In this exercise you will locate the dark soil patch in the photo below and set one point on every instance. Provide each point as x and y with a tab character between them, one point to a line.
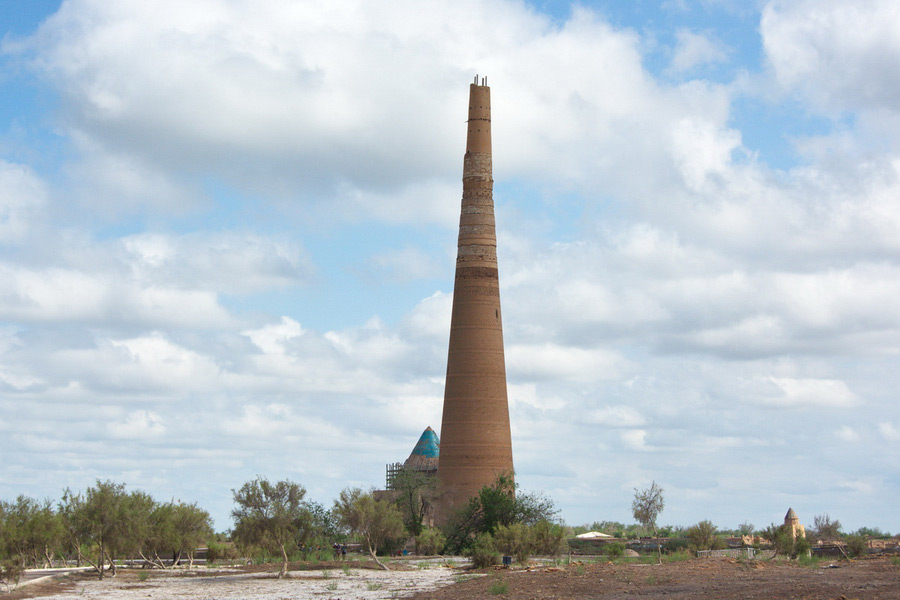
697	579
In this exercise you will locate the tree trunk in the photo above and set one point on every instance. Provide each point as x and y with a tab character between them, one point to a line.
112	565
151	562
284	562
99	566
377	562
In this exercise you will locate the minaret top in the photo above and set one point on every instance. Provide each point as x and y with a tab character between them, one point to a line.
479	134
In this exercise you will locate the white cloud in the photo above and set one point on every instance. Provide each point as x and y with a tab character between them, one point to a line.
634	439
228	262
140	424
861	487
693	49
813	393
561	363
616	416
401	266
273	339
22	196
839	54
358	111
889	431
64	294
847	434
660	283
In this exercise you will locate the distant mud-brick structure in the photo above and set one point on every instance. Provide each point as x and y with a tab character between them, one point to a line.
792	524
476	445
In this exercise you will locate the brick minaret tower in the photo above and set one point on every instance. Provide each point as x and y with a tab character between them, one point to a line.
475	441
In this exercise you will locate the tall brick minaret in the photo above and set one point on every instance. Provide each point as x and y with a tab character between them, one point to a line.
476	445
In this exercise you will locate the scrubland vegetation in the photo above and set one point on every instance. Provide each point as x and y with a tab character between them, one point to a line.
106	526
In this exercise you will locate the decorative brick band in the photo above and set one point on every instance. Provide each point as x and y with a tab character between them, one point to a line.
477	273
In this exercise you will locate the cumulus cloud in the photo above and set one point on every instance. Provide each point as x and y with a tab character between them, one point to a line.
847	434
840	55
634	439
811	393
662	287
889	431
22	196
227	262
138	425
359	111
400	266
616	416
694	49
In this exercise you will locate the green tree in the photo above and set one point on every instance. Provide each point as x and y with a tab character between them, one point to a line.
873	532
495	505
160	536
431	541
783	542
857	545
102	522
483	551
134	526
549	538
645	507
702	536
416	492
271	516
192	526
10	572
33	531
614	550
516	539
824	528
70	511
773	534
801	546
377	521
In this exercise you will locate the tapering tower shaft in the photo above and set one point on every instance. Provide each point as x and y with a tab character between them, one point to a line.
476	444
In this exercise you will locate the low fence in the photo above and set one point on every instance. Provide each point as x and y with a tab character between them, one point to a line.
731	553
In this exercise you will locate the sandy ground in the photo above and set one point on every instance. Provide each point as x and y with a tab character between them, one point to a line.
223	584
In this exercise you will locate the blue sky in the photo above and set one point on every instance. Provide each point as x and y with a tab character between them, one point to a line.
227	241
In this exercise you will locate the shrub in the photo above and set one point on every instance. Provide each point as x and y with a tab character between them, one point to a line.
483	551
10	572
498	587
856	546
675	545
677	556
548	539
515	540
217	551
431	541
808	560
702	536
801	547
615	550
